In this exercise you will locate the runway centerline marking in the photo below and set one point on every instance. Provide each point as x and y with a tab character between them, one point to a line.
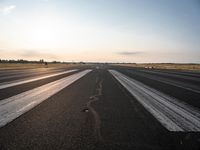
173	114
17	105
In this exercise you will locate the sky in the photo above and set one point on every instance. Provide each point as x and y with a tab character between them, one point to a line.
141	31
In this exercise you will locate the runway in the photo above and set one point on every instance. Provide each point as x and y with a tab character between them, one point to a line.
100	107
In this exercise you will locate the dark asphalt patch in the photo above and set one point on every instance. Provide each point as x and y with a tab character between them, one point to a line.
85	110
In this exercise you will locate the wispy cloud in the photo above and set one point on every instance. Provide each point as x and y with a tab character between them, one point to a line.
7	9
128	53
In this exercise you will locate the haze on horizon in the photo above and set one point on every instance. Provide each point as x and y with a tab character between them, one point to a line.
101	30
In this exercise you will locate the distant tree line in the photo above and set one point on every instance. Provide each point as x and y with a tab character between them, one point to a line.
41	61
22	61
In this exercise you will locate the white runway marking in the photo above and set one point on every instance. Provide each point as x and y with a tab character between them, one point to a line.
18	82
170	112
178	74
183	85
15	106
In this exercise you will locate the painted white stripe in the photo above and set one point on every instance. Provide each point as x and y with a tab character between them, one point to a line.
170	112
171	74
19	82
15	106
179	84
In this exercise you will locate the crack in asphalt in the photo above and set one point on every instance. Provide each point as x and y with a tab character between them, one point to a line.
97	123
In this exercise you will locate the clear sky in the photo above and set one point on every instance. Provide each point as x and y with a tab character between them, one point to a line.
101	30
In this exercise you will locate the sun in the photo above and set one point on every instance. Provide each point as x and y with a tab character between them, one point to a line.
44	32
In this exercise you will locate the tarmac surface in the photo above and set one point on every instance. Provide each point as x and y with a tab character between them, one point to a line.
95	111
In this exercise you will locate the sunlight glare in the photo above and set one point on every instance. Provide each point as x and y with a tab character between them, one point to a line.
44	32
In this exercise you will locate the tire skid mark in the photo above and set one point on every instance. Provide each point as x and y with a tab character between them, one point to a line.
97	120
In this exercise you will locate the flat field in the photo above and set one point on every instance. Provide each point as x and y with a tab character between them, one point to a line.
5	66
195	67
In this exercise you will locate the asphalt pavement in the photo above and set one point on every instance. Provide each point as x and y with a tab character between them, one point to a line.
96	111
